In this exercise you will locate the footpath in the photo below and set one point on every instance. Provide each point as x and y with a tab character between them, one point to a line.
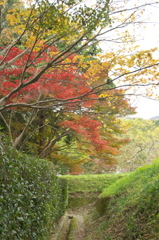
72	225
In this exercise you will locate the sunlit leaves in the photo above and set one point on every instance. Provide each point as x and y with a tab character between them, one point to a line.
143	146
55	21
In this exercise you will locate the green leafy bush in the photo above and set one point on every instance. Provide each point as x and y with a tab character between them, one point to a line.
32	198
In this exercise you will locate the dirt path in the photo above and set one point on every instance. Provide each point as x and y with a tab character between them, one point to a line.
78	230
72	224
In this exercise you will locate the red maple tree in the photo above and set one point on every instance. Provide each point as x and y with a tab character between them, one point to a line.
63	90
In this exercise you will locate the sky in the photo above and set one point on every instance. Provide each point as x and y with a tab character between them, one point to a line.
148	38
147	108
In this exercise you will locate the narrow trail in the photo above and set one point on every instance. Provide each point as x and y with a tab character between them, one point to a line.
79	231
72	225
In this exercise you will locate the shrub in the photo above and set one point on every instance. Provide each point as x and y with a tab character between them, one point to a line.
32	197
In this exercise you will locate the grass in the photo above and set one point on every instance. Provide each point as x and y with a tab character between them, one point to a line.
133	209
90	183
73	226
85	189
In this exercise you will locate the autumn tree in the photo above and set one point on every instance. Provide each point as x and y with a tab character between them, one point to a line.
62	83
143	146
107	112
49	40
70	25
7	8
38	131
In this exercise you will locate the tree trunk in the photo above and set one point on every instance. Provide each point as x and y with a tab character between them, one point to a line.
41	129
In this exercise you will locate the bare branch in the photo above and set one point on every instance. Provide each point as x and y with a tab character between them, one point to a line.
133	8
19	138
9	63
47	150
7	125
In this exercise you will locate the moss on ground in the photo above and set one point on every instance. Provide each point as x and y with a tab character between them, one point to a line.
73	226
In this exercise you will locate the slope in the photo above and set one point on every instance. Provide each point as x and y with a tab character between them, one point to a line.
129	208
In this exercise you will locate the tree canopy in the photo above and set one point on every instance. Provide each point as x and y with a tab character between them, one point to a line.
57	87
143	146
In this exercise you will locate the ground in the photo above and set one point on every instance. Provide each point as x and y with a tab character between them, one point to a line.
72	225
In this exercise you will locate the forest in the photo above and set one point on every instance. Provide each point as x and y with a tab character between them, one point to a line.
68	70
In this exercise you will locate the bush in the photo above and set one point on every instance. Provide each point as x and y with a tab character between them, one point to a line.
32	197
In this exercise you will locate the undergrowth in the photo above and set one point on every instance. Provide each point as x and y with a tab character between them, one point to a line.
133	209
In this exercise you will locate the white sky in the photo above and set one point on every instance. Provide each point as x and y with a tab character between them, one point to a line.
148	38
149	108
146	108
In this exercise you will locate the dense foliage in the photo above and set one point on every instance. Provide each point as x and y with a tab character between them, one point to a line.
61	100
32	197
56	91
143	146
82	118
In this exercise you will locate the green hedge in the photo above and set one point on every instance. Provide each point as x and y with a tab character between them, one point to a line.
90	182
32	198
